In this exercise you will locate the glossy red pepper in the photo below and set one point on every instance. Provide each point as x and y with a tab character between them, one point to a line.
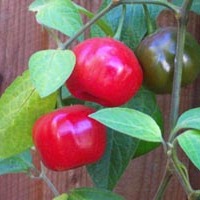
106	72
68	138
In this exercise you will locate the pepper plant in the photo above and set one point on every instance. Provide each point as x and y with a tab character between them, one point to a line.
116	114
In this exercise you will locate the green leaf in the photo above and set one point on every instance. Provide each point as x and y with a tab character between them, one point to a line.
134	27
131	122
195	5
37	4
15	164
120	150
49	69
63	196
61	15
150	107
190	143
20	106
189	119
92	194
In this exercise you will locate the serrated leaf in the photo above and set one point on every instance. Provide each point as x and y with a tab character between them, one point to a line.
190	143
15	164
63	196
49	69
93	194
60	15
120	150
189	119
20	106
195	5
131	122
134	27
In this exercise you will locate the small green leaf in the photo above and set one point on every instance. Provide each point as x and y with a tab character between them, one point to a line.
15	164
120	150
189	119
61	15
63	196
131	122
49	69
93	194
190	143
20	106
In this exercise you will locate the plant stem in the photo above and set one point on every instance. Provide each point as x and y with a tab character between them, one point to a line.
50	185
101	23
164	183
88	24
115	3
181	170
59	99
42	176
157	2
186	7
47	181
182	18
177	74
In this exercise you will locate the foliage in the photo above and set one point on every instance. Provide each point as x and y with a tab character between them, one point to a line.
140	125
122	148
189	119
48	65
189	142
19	163
195	5
134	26
61	15
134	129
20	106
